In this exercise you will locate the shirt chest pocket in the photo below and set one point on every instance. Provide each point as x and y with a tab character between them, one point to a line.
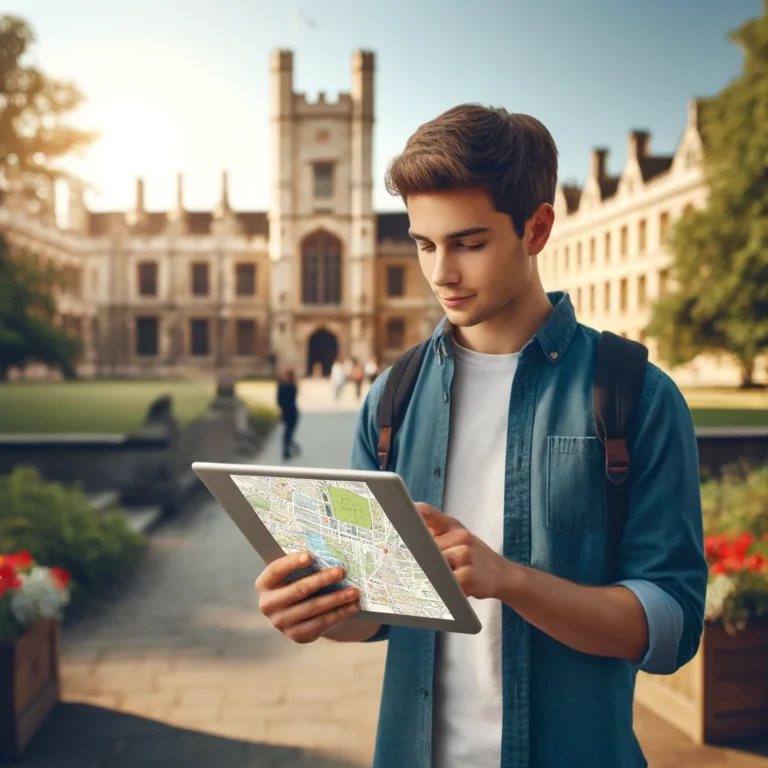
576	501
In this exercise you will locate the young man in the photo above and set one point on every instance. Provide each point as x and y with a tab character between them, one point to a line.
500	447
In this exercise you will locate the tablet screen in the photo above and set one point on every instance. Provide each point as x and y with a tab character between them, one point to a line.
342	524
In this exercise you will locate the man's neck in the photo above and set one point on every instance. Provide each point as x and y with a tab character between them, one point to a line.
510	329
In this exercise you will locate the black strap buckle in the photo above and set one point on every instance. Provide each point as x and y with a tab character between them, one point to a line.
616	460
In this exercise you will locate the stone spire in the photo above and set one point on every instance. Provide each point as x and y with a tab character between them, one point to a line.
177	217
137	217
224	220
223	209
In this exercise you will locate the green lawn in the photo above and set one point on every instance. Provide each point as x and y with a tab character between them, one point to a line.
96	407
727	407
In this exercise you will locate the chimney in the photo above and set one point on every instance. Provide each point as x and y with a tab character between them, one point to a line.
598	169
638	144
179	192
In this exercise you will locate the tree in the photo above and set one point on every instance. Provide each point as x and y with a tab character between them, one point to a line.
720	252
27	312
33	134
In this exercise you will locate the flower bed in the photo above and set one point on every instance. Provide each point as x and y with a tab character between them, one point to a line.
32	600
721	694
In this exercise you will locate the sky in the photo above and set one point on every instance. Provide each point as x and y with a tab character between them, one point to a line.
183	85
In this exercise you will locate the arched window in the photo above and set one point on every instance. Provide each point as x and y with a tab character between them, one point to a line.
321	269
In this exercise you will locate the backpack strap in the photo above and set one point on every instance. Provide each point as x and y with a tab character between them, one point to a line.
398	389
619	374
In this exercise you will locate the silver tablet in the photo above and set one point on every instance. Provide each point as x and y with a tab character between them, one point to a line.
366	522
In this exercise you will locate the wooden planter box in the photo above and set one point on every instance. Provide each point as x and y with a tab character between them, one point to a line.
29	686
721	695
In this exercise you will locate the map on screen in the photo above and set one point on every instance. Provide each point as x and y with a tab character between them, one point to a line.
342	524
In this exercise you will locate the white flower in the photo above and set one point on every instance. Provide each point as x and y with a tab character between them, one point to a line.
39	597
718	591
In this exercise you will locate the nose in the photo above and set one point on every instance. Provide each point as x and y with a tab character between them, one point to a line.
444	271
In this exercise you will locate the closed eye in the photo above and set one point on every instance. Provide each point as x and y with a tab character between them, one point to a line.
427	247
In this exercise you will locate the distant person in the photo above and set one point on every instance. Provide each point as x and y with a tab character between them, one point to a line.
358	376
287	392
317	370
338	377
372	369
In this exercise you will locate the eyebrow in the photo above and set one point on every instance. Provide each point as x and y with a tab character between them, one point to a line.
452	235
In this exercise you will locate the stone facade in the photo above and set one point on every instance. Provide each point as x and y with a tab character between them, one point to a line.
321	274
607	248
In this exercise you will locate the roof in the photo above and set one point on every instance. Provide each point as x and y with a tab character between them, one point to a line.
390	226
608	187
651	167
572	195
253	223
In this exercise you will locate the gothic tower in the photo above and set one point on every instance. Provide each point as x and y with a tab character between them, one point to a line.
321	223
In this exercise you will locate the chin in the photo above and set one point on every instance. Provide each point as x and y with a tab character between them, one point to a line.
463	319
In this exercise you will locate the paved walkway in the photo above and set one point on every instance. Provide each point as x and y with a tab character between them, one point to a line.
180	669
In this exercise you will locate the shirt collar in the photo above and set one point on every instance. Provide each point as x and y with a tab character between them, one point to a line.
553	337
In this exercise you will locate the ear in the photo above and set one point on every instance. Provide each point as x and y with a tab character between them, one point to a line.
538	228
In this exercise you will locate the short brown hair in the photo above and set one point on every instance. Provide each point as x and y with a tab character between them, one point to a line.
512	156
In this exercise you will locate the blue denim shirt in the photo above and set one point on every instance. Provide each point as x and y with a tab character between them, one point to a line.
561	707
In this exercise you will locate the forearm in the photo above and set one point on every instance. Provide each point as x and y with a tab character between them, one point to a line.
351	631
601	621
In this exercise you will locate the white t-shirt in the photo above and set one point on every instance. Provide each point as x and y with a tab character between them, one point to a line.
468	694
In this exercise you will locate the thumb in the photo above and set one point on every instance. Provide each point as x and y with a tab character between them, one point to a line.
436	521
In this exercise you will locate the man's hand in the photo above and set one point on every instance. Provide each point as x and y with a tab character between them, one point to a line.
291	607
479	570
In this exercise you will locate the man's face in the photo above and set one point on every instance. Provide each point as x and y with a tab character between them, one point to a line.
470	253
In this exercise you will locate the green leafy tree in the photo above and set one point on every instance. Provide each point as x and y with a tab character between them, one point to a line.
27	316
33	108
720	252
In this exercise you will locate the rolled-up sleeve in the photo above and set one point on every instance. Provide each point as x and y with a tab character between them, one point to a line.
364	453
661	557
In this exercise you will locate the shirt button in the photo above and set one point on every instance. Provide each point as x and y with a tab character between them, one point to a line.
553	355
436	471
423	692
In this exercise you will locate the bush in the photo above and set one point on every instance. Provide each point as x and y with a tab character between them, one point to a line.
58	527
262	416
738	502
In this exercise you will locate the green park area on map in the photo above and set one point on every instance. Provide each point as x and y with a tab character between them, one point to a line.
350	508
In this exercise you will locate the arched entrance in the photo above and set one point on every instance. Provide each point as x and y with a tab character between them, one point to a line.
323	348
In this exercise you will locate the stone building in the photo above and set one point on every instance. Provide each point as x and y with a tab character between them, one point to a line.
321	274
607	247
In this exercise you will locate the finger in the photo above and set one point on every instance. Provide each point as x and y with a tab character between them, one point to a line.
458	557
281	568
436	521
309	631
310	609
455	537
281	597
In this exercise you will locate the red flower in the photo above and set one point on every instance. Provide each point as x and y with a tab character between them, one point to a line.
8	577
60	576
22	560
756	563
742	543
719	568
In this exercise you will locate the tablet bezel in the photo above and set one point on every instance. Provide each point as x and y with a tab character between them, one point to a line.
391	492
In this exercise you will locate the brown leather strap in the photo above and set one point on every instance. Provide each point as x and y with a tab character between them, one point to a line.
383	448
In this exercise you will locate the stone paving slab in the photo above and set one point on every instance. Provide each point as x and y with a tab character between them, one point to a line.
180	668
